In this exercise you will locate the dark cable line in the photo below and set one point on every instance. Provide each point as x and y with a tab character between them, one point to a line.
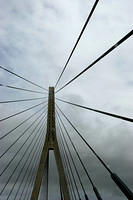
6	134
22	78
90	179
23	89
61	195
69	183
70	172
20	136
122	186
61	131
98	111
15	170
70	155
31	173
70	187
1	120
69	179
23	167
31	152
98	59
31	161
79	37
31	182
67	170
67	174
20	100
86	197
70	167
1	173
77	155
105	165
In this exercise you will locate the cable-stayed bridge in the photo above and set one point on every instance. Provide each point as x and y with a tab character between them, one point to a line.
47	131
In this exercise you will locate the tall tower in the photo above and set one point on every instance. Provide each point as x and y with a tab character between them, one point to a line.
50	143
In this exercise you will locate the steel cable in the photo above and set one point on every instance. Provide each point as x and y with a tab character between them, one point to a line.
30	162
21	100
79	37
21	135
68	162
90	179
98	59
31	176
67	170
23	111
98	111
23	122
17	75
59	118
21	89
122	186
29	154
1	173
1	192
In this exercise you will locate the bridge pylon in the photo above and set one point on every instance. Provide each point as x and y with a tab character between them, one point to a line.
50	143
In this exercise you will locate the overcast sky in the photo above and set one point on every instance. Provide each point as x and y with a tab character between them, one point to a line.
36	38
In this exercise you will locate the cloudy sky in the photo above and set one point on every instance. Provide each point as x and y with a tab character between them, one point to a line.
36	38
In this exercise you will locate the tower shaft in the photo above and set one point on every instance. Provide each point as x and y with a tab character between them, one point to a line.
50	143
